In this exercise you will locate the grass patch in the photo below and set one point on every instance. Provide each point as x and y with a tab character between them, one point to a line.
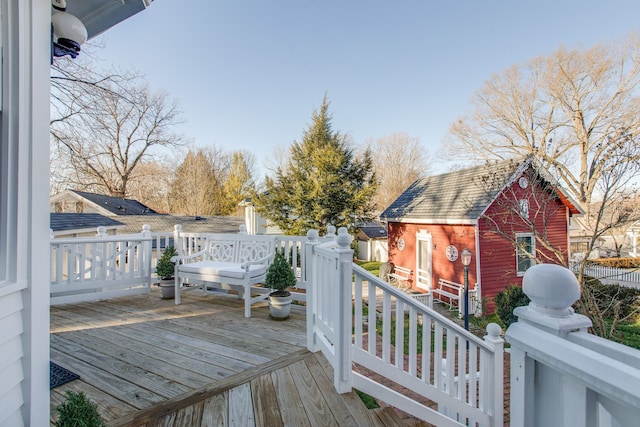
369	401
482	321
372	267
629	334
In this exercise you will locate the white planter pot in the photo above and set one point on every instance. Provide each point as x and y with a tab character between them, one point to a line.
167	286
279	307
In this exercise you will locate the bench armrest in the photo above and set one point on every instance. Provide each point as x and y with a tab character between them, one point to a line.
188	258
245	265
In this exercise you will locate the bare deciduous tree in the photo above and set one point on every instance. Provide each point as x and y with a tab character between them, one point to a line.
150	184
198	185
575	110
398	160
104	126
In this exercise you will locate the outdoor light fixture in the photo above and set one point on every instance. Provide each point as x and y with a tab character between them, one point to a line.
68	32
466	257
466	260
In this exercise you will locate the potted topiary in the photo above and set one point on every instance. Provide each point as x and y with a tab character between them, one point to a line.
280	277
165	270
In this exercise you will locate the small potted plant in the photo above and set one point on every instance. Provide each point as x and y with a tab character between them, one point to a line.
78	410
165	271
280	277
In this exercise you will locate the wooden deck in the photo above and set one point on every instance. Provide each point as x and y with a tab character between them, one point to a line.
147	362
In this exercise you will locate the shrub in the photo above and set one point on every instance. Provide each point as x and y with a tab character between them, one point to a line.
506	301
617	262
280	274
607	306
164	267
78	411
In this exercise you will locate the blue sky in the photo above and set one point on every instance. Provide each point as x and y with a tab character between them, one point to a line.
248	73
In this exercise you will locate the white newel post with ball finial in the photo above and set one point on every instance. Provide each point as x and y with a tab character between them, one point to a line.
560	374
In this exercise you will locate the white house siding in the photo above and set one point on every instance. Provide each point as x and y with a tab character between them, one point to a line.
24	188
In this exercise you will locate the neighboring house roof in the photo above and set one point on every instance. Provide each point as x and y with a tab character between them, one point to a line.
464	195
373	230
109	204
190	224
80	222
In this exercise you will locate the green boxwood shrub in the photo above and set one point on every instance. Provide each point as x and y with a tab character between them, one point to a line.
78	411
506	301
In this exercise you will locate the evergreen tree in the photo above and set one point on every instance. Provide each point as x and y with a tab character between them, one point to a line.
239	183
323	183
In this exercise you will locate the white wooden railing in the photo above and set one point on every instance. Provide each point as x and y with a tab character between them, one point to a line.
560	374
352	319
84	269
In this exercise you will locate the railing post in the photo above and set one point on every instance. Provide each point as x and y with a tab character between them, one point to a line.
497	405
342	369
312	289
552	290
146	253
177	239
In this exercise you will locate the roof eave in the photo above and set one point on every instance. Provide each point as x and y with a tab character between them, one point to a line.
448	221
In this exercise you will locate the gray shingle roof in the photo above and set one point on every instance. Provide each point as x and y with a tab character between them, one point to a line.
80	221
117	205
460	195
165	223
373	230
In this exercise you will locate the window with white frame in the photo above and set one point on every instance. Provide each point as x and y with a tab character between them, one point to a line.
525	252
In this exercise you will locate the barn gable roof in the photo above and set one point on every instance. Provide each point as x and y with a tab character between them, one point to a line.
463	196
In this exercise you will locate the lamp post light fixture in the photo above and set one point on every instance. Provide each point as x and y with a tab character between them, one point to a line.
466	260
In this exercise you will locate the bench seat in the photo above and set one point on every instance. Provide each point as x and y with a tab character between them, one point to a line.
222	270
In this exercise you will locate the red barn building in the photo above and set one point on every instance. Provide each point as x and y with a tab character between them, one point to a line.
509	214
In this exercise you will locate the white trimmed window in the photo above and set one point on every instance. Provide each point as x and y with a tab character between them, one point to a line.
525	252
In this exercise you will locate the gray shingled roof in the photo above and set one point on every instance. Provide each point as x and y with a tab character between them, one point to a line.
460	195
373	230
164	223
117	205
80	221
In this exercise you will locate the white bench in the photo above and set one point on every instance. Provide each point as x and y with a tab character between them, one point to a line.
230	262
451	293
399	275
448	292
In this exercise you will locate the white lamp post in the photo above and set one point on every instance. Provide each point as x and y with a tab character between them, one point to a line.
466	260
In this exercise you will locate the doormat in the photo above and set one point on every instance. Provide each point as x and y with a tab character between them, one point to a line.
59	375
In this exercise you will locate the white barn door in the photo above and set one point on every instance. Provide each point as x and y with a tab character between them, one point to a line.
424	248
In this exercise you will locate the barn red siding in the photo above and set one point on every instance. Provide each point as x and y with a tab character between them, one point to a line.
460	236
498	254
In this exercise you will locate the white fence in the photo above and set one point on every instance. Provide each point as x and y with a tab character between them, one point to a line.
610	275
352	318
560	374
84	269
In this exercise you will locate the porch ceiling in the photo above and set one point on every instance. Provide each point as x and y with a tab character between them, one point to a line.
100	15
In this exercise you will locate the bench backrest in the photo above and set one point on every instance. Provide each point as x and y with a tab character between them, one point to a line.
402	271
239	248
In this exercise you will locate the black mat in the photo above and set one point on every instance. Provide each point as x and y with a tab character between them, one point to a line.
59	375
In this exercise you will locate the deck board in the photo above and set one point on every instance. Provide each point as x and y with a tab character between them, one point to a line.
147	362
